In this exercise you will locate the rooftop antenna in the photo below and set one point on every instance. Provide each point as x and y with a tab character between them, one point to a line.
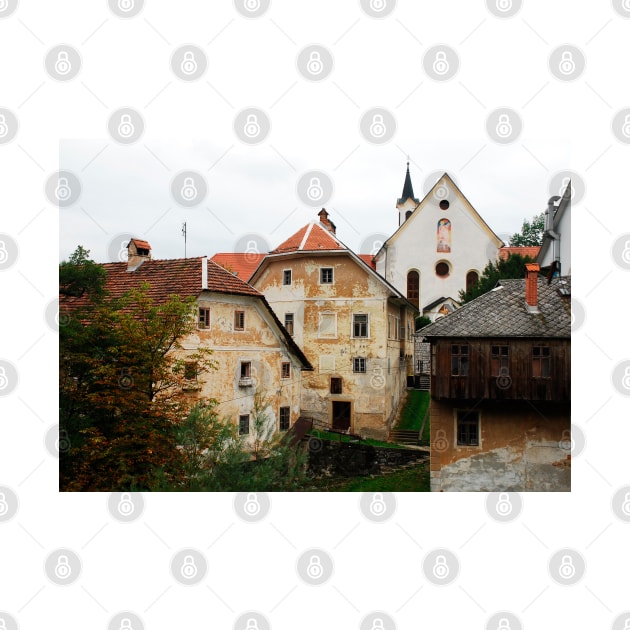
184	235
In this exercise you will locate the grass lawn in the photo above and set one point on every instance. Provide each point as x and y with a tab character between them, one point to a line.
413	411
334	437
414	479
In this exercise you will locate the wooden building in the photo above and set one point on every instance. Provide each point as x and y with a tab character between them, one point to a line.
501	389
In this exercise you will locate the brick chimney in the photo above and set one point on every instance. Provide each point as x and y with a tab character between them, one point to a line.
137	252
531	287
325	221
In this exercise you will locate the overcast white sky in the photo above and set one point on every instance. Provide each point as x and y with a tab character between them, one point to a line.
253	192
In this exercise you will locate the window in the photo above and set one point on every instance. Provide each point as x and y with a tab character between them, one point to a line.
467	428
204	318
190	371
541	362
239	320
286	369
442	269
359	325
286	277
326	275
246	369
288	322
358	364
500	360
243	425
472	277
328	325
335	385
459	360
284	418
413	287
444	204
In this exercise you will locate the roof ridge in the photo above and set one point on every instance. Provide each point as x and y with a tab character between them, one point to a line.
306	235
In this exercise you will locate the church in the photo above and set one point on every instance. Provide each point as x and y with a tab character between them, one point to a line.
441	246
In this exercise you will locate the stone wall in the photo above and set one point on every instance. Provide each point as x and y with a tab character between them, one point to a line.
350	459
522	447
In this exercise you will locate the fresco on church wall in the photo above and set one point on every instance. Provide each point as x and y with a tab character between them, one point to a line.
444	235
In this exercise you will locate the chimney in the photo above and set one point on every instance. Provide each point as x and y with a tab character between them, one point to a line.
137	252
531	287
325	221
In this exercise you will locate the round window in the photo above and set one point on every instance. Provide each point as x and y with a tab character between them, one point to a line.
444	204
442	269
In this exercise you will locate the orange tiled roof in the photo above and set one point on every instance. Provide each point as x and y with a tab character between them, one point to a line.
141	244
180	276
222	281
368	259
532	252
242	264
311	237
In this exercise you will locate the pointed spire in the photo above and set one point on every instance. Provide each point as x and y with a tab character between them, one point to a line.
407	192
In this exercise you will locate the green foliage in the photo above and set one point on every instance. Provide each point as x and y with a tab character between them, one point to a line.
512	267
413	411
79	275
531	232
214	458
422	321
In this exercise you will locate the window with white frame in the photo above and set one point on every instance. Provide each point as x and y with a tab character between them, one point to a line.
288	322
326	275
284	419
204	318
286	277
360	325
359	364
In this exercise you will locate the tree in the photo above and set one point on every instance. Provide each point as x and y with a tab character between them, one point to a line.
121	380
512	267
531	233
422	321
79	275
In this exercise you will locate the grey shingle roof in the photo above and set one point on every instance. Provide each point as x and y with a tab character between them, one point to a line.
503	312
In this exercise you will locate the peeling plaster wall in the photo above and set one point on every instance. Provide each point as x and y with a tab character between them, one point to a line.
260	344
374	395
521	448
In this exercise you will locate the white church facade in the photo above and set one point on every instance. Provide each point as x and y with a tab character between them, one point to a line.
441	246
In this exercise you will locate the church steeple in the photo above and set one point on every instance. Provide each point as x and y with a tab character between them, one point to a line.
407	203
407	192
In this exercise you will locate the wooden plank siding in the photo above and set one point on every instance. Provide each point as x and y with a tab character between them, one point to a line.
519	382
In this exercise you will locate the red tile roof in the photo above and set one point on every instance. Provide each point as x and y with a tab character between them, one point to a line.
242	264
532	252
181	276
222	281
368	259
141	244
311	237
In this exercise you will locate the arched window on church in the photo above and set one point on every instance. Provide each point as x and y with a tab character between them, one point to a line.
472	277
413	288
407	214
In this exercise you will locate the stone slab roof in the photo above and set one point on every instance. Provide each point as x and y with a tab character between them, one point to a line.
503	312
